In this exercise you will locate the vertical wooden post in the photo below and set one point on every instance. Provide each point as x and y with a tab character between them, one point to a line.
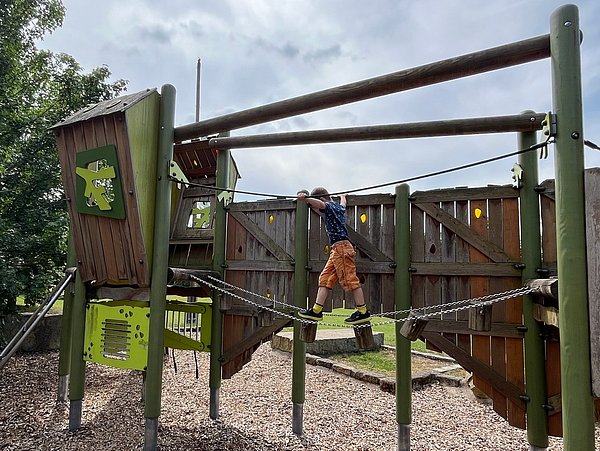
531	250
77	373
577	401
64	359
158	282
300	296
219	247
402	294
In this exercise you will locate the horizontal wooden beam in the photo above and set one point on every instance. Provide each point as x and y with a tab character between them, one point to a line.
513	54
506	330
482	370
464	193
455	127
465	269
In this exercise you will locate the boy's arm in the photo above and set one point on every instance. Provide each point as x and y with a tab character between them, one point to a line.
343	200
317	204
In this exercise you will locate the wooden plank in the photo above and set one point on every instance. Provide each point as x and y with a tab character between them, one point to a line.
256	338
553	385
95	129
119	227
484	372
498	344
476	240
463	287
462	269
465	194
433	254
265	240
417	248
276	204
592	236
66	144
387	246
515	358
97	263
462	327
259	265
137	254
480	287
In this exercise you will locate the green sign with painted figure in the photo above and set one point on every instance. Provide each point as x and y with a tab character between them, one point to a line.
98	184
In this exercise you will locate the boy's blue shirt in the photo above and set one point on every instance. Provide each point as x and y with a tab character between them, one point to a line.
335	221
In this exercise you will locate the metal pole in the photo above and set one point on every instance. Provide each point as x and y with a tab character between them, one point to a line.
219	247
577	400
198	90
77	373
64	359
470	126
402	294
531	251
160	257
300	297
461	66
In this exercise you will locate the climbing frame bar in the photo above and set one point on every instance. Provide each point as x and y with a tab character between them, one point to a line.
454	127
577	400
158	284
531	251
449	69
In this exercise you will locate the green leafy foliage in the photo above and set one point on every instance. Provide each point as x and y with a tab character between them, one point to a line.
39	88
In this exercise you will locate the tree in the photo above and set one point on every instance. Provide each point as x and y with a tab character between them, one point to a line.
39	88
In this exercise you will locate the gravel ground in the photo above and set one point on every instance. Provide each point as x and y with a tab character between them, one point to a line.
255	411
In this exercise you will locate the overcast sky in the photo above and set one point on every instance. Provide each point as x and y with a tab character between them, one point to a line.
257	52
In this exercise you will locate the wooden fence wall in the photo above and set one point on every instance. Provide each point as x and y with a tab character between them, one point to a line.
465	243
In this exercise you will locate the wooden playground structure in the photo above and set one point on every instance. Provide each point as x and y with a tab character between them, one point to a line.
153	217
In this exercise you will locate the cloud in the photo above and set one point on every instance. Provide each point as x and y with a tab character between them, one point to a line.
259	52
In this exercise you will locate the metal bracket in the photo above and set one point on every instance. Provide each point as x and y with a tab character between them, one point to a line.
549	129
226	197
176	174
517	176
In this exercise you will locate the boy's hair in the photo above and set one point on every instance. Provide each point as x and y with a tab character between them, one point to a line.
319	191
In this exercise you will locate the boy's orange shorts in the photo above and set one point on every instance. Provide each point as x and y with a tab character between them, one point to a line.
340	267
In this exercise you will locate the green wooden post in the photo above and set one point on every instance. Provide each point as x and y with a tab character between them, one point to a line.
300	296
531	251
158	283
577	400
219	247
64	359
77	373
402	295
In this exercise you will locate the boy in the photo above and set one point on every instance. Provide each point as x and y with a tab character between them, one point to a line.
340	266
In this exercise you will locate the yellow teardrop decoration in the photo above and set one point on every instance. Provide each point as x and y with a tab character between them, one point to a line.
326	248
478	213
363	218
269	294
271	219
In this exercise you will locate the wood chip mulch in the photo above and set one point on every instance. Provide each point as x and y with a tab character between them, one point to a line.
340	413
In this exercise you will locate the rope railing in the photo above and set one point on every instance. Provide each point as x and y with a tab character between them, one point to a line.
414	313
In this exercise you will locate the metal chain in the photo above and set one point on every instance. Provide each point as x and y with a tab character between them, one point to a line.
461	305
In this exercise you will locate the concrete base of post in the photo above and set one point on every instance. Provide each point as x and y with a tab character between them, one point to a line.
151	434
297	418
63	388
536	448
75	414
214	404
403	437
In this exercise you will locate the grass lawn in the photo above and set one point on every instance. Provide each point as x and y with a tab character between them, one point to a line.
56	308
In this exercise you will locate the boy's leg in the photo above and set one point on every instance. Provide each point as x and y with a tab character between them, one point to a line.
361	314
316	311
